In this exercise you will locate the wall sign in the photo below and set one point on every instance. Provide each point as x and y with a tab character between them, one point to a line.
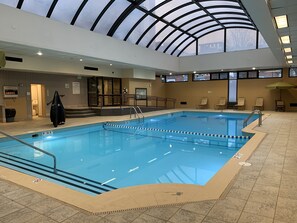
10	91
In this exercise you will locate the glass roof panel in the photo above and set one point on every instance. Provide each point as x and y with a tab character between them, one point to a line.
139	30
211	43
240	39
240	25
211	29
110	16
169	40
65	10
225	9
37	7
233	21
213	3
181	47
196	22
128	23
180	12
184	19
160	37
149	4
190	50
88	15
169	6
176	42
151	33
202	27
12	3
223	15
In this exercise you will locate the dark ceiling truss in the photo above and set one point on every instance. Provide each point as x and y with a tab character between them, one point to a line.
161	19
144	16
231	27
20	3
82	5
123	16
197	18
51	9
101	14
186	31
239	17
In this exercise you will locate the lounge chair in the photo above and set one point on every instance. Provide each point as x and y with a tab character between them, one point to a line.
203	103
222	104
280	105
259	105
240	104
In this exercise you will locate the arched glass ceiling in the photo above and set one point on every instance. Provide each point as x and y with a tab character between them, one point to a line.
169	26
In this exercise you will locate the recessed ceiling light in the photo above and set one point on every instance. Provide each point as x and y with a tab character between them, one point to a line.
170	73
285	39
194	72
110	64
254	68
289	57
290	61
288	50
281	21
80	59
39	53
222	70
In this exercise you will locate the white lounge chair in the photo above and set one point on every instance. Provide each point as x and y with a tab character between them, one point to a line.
259	104
221	104
203	103
240	104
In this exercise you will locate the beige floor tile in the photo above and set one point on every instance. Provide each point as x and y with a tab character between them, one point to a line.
202	207
225	214
239	193
83	218
20	216
262	209
61	213
44	206
252	218
186	217
123	217
164	213
286	210
9	207
212	220
144	218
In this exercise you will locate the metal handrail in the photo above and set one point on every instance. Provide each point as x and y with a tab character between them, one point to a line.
140	112
251	114
136	113
33	147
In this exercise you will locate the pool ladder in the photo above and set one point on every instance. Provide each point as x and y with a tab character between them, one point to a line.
251	114
33	147
137	113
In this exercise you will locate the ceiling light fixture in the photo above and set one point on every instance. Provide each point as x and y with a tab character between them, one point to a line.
290	61
281	21
285	39
289	57
170	73
80	59
110	64
254	68
39	53
288	50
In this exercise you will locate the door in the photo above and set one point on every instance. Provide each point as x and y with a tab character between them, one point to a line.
38	105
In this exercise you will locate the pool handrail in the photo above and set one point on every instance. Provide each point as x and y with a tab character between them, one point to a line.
251	114
136	112
140	112
33	147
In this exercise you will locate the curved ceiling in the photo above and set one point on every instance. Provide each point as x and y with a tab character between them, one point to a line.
168	26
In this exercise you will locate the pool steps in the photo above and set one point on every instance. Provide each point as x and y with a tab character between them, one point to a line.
46	172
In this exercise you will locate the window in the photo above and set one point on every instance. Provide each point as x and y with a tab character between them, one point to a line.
293	72
242	75
176	78
211	43
240	39
223	76
201	77
277	73
253	74
215	76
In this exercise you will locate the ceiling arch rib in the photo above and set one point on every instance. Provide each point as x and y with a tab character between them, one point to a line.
101	14
197	19
20	3
78	12
143	17
163	20
51	9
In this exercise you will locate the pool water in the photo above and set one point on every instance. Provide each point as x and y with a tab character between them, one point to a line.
142	153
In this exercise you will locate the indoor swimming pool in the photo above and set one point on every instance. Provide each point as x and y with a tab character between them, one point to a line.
182	148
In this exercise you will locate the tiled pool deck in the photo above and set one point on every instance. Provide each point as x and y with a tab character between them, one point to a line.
263	192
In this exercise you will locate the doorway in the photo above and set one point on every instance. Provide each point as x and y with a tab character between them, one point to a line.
38	100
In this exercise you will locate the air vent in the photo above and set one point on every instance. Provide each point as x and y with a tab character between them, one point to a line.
14	59
91	68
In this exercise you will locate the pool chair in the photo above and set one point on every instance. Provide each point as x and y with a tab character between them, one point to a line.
259	105
240	104
203	103
221	104
280	105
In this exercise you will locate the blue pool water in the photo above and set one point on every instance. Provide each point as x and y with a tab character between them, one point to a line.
183	147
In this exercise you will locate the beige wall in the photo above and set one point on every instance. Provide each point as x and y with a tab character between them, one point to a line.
23	80
250	89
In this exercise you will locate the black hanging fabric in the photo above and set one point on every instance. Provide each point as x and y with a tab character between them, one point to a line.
57	110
